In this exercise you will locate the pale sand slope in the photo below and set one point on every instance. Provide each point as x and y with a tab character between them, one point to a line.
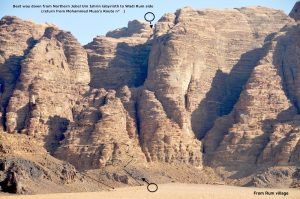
174	191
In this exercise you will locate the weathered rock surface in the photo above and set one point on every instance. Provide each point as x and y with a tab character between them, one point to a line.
162	139
135	28
116	61
197	69
263	127
104	131
17	37
213	87
277	177
54	73
27	168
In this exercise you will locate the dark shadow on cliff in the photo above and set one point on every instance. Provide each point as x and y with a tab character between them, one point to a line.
224	93
128	67
286	59
287	68
57	127
23	117
217	104
11	66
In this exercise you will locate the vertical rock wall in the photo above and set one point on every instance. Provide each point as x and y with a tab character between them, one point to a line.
228	78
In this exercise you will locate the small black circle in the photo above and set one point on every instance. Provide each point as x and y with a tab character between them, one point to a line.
149	16
152	187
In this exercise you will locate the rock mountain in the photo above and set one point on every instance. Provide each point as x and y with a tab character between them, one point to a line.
205	88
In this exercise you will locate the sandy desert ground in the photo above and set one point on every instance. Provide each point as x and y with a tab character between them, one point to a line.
174	191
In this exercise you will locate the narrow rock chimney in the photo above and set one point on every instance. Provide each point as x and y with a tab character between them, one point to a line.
295	13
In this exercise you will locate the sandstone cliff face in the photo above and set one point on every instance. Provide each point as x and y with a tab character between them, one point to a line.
17	37
104	131
223	90
118	62
53	73
197	68
263	127
135	28
120	58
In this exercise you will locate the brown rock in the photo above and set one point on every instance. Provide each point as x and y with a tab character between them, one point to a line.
103	133
197	69
135	29
224	78
17	38
54	73
11	184
263	127
115	63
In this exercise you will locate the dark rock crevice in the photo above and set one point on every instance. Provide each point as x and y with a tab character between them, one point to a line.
224	93
9	75
57	127
288	66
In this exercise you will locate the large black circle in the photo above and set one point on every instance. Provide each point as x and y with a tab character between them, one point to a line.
149	14
150	190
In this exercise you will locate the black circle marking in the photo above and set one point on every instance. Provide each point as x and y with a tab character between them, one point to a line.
149	16
153	189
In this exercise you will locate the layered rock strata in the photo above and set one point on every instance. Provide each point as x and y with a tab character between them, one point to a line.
53	73
17	38
263	128
120	58
226	86
104	131
197	68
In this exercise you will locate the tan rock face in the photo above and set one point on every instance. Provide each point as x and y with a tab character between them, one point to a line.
135	29
222	82
54	73
197	68
17	37
202	80
164	140
118	62
263	127
103	133
286	134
